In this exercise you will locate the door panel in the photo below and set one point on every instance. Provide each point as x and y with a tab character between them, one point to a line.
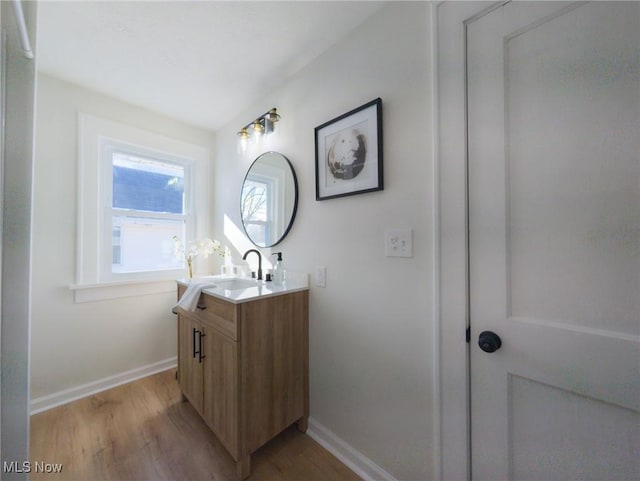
571	225
566	423
554	233
221	388
189	368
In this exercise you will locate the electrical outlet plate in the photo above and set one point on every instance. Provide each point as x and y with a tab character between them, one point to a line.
398	243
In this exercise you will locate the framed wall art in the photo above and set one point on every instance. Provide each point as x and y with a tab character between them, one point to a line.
349	153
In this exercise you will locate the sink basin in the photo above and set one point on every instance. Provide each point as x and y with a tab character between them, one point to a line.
242	289
227	283
237	283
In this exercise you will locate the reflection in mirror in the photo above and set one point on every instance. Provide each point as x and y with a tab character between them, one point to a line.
269	199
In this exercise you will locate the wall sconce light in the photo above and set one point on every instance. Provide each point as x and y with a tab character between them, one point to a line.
262	125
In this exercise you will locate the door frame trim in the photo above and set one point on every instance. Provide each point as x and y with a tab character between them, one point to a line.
452	235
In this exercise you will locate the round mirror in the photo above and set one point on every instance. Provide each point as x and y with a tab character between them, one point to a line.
269	199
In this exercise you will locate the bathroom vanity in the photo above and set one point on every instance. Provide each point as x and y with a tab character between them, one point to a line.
243	362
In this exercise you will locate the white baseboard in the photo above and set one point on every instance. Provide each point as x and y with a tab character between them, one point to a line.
63	397
354	459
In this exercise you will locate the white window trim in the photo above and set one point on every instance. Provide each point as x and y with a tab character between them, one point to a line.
89	286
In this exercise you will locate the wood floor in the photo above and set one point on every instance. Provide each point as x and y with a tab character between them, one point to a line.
143	431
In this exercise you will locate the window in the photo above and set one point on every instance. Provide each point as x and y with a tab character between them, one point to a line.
136	190
147	205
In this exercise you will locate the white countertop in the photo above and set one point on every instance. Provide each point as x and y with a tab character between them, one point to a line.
242	289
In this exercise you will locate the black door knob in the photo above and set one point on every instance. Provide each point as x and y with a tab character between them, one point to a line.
489	341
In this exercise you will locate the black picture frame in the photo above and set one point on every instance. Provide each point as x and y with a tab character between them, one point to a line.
349	153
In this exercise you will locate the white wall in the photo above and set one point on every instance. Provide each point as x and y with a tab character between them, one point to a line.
371	329
75	344
17	145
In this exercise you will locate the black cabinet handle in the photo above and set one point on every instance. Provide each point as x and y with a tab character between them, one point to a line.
199	350
193	343
200	356
201	307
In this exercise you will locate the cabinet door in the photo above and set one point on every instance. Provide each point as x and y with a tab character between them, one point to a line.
221	388
190	366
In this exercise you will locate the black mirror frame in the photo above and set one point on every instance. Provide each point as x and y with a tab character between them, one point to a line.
295	200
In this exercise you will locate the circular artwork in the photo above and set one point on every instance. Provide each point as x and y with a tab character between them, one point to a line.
347	153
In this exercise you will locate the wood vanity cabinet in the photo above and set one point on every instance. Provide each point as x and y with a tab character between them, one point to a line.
245	368
190	366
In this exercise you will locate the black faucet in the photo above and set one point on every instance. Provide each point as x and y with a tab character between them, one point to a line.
259	261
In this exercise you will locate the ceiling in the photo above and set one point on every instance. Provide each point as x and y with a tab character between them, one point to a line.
198	62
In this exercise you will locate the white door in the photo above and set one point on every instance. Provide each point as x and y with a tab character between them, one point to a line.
554	246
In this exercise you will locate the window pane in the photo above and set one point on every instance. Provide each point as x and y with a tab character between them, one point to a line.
254	201
147	185
146	244
115	235
257	232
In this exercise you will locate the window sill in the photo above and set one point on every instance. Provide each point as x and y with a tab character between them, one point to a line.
115	290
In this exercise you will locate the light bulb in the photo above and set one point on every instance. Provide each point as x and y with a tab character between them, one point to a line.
244	139
258	128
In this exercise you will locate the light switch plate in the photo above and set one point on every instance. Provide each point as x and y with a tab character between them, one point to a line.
321	276
398	243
